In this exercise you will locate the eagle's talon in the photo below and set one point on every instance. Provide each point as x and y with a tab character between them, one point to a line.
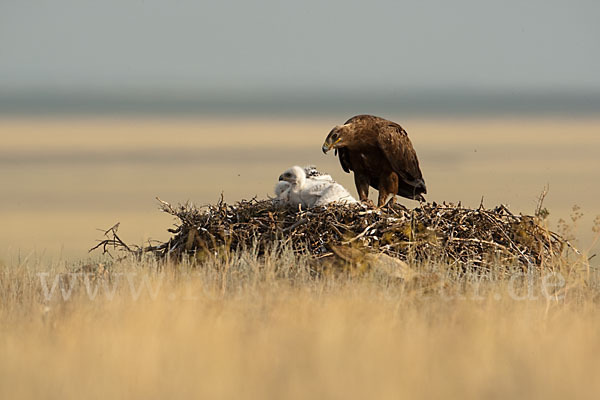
368	202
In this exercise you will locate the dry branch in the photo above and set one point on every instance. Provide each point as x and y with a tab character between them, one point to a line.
431	231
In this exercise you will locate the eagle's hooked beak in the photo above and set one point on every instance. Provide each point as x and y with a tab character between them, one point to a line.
328	146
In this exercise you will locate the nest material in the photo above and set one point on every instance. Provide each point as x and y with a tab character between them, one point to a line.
440	232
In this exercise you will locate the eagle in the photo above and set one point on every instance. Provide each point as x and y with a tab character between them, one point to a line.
282	192
307	188
381	155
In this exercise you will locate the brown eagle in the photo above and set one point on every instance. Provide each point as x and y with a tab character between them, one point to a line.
381	155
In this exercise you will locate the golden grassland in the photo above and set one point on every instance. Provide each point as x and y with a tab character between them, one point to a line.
63	178
244	326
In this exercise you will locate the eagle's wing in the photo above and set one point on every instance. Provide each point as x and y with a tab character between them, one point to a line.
335	193
344	153
312	191
315	187
395	144
323	178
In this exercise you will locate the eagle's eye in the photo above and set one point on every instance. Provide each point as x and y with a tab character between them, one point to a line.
334	136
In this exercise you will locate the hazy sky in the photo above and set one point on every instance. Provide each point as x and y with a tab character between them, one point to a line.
310	44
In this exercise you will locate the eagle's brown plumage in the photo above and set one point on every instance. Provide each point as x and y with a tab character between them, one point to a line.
381	155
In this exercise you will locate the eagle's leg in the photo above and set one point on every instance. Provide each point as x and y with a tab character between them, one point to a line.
362	187
388	187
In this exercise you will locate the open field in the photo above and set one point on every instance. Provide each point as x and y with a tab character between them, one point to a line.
63	178
246	327
241	327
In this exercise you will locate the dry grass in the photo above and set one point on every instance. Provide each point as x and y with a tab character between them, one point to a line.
246	327
240	326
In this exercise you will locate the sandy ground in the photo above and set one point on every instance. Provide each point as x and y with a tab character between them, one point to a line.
61	179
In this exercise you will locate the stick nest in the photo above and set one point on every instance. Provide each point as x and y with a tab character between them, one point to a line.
439	232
